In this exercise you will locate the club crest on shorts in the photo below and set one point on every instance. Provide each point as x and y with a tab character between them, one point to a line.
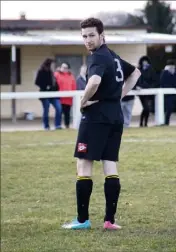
82	147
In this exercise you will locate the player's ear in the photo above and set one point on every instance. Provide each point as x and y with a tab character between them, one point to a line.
102	36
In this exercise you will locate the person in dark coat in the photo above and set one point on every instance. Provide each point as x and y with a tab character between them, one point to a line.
46	82
168	80
147	80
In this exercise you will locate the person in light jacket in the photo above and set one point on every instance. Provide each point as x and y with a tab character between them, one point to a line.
127	104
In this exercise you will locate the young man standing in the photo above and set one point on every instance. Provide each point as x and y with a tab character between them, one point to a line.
109	78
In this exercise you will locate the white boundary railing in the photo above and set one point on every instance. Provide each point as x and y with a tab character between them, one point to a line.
158	92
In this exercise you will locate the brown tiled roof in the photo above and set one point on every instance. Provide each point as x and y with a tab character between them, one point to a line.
63	24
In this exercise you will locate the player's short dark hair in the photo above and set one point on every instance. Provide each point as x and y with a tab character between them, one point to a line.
93	22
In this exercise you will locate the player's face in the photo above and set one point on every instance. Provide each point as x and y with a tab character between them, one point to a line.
92	39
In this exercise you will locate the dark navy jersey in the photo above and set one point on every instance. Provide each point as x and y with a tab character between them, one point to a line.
113	71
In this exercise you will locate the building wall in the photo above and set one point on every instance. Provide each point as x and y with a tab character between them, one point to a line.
77	32
33	56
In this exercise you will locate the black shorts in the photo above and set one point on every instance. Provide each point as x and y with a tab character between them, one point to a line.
98	141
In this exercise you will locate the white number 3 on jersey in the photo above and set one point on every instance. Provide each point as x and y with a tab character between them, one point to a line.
119	70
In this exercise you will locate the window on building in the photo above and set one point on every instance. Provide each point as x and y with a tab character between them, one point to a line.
5	66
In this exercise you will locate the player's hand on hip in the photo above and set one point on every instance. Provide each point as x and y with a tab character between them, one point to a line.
88	103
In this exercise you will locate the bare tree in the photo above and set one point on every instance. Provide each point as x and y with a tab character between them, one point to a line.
119	19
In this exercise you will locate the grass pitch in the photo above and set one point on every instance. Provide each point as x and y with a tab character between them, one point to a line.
38	194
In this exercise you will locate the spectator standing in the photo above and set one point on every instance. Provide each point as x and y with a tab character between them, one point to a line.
81	83
147	80
66	81
168	80
81	80
46	82
127	104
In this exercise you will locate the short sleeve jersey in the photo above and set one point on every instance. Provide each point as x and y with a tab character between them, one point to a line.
113	72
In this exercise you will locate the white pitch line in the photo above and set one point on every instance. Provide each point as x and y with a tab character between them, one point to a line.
143	140
130	140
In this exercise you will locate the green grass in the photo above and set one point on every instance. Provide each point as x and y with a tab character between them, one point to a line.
38	194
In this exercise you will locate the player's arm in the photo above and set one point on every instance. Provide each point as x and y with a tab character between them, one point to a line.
131	82
96	71
131	75
91	88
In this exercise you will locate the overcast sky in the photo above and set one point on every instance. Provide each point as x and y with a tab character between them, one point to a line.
66	9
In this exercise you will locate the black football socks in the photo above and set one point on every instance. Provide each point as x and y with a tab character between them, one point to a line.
84	187
112	191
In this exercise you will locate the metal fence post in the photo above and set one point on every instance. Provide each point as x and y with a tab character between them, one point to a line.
13	77
159	107
76	111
